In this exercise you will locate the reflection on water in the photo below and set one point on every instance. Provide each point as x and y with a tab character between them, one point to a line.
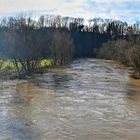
90	100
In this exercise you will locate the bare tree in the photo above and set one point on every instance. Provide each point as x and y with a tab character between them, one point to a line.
62	47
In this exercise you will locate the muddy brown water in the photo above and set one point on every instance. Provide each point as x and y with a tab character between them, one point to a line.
89	100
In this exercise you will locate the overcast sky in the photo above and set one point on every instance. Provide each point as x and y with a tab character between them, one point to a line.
128	10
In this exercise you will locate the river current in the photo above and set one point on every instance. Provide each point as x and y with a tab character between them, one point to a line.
89	100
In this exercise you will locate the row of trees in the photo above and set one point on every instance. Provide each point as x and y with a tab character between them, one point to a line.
113	26
96	25
125	51
41	22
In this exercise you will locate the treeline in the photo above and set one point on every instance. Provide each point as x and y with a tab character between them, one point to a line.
27	40
88	39
125	51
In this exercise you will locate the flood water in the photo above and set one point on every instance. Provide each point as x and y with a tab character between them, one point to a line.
89	100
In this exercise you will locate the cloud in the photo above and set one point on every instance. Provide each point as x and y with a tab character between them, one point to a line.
117	9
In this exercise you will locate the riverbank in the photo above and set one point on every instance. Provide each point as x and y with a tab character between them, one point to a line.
9	75
135	82
132	73
116	63
8	70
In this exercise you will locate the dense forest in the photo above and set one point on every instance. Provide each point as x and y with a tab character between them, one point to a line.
27	41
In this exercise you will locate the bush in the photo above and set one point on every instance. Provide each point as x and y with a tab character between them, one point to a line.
134	57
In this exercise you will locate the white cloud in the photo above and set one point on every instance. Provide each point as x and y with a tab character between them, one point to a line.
119	9
20	5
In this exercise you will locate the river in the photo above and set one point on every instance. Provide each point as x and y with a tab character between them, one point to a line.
89	100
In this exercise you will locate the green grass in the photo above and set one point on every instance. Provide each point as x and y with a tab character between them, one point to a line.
46	62
8	64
